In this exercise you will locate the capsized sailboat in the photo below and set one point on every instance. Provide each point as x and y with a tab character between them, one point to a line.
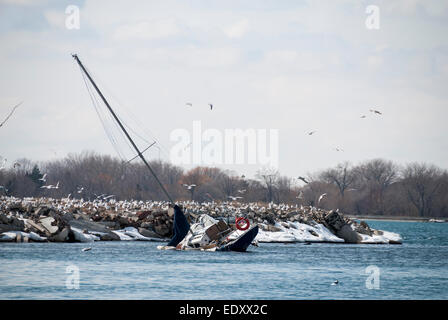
208	234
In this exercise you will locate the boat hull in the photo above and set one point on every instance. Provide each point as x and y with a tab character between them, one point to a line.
241	243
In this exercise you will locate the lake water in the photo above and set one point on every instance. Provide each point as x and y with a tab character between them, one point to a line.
418	269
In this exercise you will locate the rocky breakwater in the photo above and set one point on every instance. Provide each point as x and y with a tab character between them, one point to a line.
73	220
55	221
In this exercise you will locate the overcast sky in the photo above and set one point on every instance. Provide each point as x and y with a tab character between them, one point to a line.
295	66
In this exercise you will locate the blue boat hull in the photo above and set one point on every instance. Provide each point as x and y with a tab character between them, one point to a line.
242	242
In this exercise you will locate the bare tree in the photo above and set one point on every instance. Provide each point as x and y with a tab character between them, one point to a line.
375	176
421	183
268	177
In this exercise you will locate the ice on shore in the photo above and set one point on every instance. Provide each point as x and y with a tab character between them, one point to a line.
300	232
297	232
12	235
386	237
131	233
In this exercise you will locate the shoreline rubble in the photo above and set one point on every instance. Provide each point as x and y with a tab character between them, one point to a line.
77	220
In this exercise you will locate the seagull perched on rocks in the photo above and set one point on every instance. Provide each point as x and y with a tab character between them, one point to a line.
321	197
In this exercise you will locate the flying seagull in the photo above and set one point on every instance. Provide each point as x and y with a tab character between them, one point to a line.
16	164
321	197
363	116
242	191
336	282
211	106
87	249
303	179
339	149
234	198
311	132
375	111
44	178
189	187
189	104
51	186
300	196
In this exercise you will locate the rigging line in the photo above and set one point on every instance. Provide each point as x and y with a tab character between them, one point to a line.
97	109
121	119
10	114
141	152
133	117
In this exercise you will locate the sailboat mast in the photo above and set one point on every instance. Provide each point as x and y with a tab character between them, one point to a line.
122	127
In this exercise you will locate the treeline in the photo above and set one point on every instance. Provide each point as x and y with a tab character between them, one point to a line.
374	187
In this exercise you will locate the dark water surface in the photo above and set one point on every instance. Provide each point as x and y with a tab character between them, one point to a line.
418	269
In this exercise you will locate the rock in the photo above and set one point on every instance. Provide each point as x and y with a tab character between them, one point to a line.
348	234
17	223
48	224
162	230
67	217
148	233
334	220
271	228
4	219
378	232
8	227
110	236
62	236
88	225
42	211
313	233
141	215
35	227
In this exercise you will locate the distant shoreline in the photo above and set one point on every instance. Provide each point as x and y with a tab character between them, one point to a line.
394	218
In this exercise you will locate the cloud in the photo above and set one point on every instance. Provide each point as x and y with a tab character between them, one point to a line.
153	29
237	29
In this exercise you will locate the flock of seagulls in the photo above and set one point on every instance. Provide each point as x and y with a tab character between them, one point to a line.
338	149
